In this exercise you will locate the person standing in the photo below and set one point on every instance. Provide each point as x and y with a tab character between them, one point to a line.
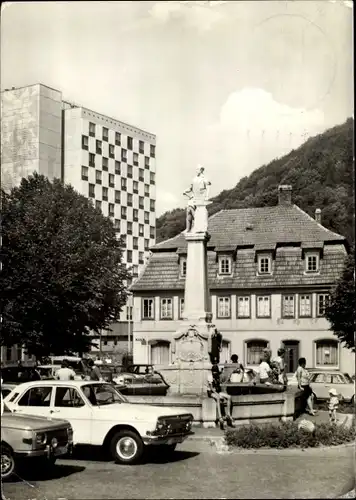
333	405
264	370
65	372
279	361
220	397
303	379
95	373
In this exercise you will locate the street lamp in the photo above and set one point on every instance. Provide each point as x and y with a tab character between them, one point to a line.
130	318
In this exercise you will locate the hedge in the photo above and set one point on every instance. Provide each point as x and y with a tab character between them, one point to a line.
287	435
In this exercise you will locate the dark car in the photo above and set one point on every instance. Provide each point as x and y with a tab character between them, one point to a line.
19	374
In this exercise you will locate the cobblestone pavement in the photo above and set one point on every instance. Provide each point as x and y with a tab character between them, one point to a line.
196	470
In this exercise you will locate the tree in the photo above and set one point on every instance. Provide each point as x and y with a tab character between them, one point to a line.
341	309
62	271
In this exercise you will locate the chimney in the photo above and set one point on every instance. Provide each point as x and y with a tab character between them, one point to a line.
318	215
284	194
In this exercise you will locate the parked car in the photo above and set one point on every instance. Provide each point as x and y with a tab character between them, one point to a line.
322	381
18	374
100	415
25	437
141	380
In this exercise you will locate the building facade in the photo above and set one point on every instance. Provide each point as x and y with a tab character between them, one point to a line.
106	160
270	271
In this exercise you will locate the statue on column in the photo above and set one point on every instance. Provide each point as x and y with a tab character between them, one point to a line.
196	194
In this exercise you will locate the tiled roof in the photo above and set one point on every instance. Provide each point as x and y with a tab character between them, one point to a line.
273	229
258	226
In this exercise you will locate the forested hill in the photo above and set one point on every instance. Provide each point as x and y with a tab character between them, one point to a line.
320	171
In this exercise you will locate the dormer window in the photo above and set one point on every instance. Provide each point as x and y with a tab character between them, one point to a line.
183	267
264	264
225	264
312	262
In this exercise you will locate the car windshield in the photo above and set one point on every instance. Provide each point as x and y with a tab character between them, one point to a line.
102	394
348	378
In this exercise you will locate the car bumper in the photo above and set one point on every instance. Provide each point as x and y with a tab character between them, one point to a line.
47	452
172	439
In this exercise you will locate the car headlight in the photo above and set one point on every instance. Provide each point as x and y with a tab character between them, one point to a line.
41	438
188	425
70	433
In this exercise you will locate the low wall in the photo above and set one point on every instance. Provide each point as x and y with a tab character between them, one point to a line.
254	408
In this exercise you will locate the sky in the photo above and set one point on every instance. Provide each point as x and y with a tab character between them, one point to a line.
228	85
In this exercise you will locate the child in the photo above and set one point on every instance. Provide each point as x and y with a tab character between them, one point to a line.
333	405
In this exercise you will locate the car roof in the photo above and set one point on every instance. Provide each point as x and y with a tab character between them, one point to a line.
43	383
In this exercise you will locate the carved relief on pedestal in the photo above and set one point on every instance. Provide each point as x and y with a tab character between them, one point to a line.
190	346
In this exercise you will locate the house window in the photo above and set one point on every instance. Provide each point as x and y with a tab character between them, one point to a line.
129	227
8	353
117	225
288	306
167	308
117	138
129	199
152	232
135	215
140	230
183	267
147	162
148	309
224	265
123	184
129	313
225	351
105	194
123	155
129	142
147	244
243	307
152	178
98	204
152	150
92	190
91	160
129	171
147	190
146	217
111	180
85	142
135	271
304	306
135	243
98	176
123	239
135	187
117	168
111	210
181	307
92	129
141	177
141	147
111	151
105	163
135	159
129	255
160	353
141	257
105	134
85	172
254	351
98	147
327	352
312	263
263	306
224	307
141	202
323	301
123	212
117	196
264	264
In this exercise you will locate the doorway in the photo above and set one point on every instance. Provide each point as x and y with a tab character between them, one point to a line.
292	355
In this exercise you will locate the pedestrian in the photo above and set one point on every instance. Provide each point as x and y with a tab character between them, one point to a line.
303	379
220	397
279	361
65	372
333	405
238	372
95	373
264	370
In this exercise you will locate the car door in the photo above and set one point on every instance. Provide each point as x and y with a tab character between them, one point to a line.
70	405
318	386
344	389
35	400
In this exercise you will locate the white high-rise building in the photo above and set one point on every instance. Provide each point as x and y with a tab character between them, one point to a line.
102	158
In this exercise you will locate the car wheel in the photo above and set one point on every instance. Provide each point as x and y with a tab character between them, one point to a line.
126	447
7	462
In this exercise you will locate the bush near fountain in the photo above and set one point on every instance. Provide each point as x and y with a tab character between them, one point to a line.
287	435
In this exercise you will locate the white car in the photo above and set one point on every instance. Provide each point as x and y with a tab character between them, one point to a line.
100	415
321	381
